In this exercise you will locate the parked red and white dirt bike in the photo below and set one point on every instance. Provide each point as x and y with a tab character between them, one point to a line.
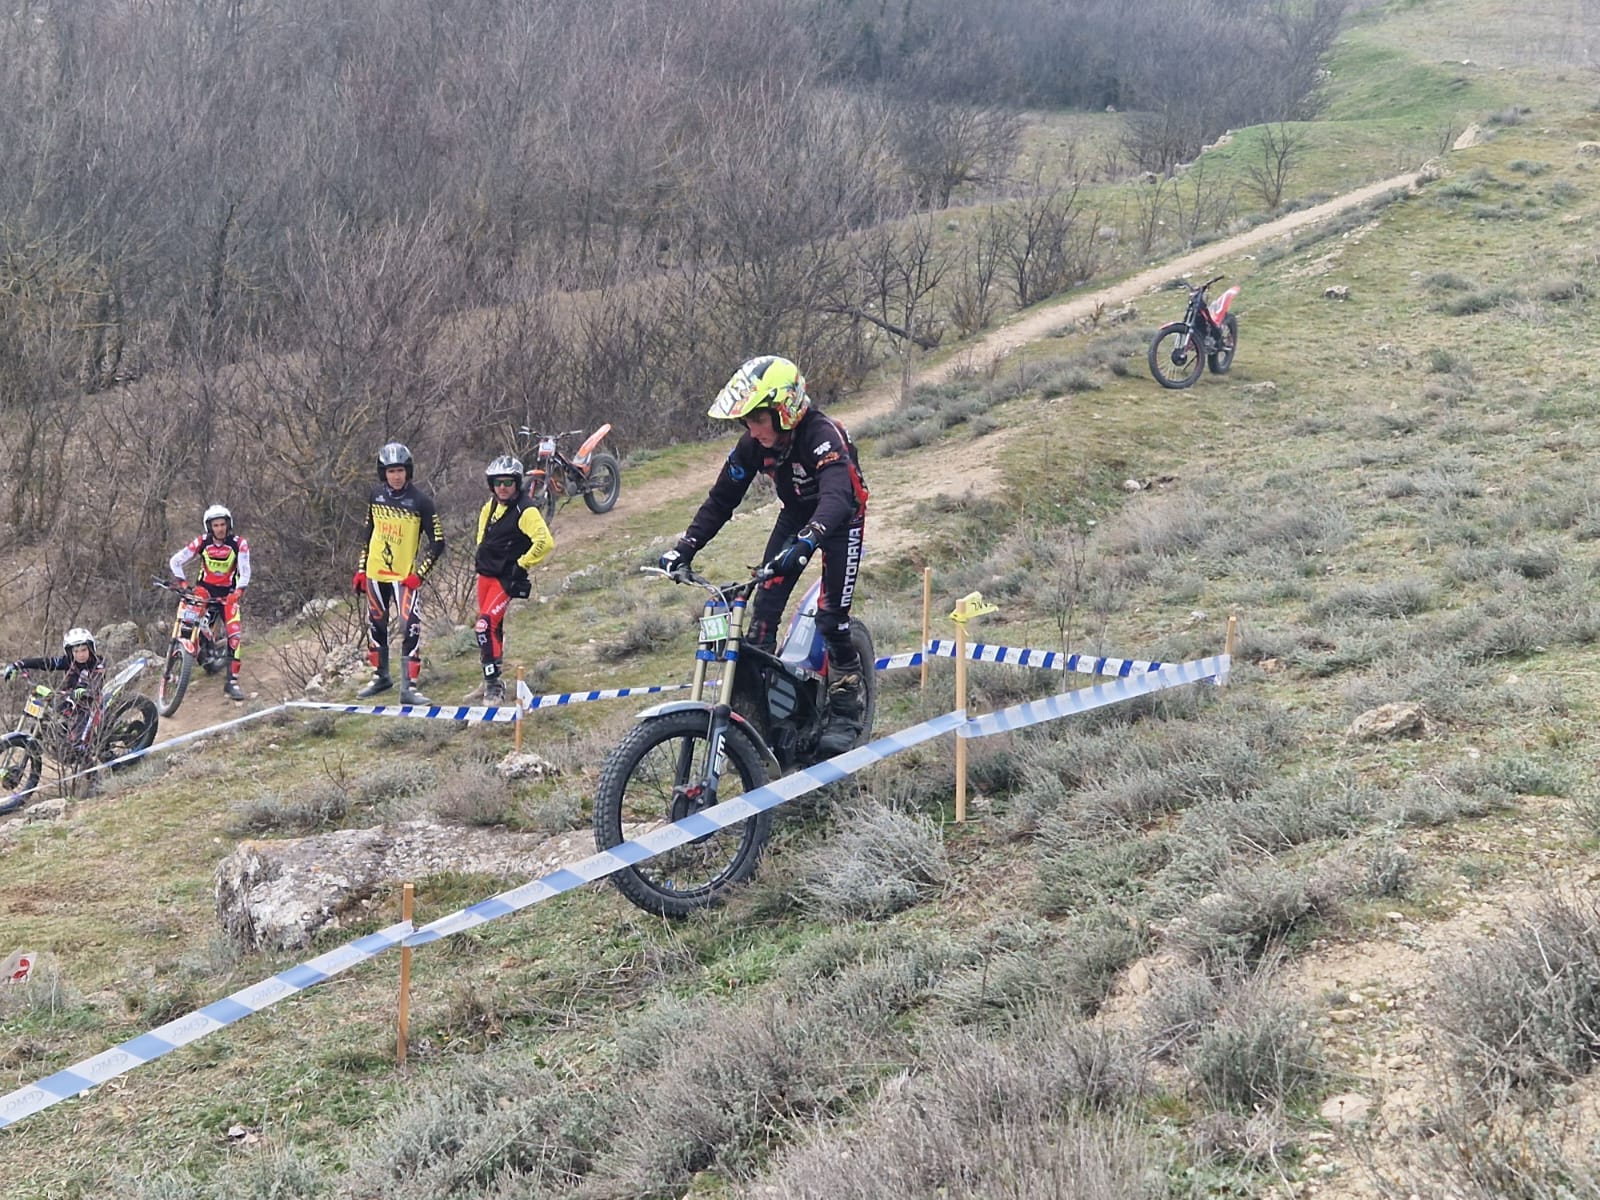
123	722
199	635
1207	333
596	475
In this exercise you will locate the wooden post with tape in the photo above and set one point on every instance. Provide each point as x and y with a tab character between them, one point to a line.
403	1026
927	623
969	606
1229	641
517	700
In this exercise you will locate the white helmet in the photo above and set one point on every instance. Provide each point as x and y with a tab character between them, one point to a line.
503	466
213	513
77	636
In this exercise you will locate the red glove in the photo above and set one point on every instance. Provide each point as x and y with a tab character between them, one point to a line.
412	581
360	581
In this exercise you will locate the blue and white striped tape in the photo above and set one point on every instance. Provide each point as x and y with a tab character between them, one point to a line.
1048	660
146	1047
557	699
434	712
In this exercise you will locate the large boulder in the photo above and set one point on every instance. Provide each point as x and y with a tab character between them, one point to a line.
278	895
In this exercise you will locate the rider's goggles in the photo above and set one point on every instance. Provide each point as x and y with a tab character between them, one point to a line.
505	483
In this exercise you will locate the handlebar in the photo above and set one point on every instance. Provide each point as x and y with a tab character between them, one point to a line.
758	575
528	431
1209	282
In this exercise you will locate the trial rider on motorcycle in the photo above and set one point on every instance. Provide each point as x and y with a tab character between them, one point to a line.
224	574
79	692
813	467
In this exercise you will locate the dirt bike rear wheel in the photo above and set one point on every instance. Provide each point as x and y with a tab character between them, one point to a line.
21	761
175	674
641	789
1222	360
129	725
1175	358
861	639
604	485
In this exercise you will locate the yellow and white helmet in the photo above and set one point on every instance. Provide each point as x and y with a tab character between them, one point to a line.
765	382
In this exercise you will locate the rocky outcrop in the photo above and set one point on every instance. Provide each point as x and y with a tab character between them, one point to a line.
278	895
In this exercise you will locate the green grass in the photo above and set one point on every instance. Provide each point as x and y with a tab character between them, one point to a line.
1405	514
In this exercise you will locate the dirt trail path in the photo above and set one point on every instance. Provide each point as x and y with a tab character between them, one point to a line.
1026	327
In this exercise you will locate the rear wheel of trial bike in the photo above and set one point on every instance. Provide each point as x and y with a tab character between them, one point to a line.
175	673
20	764
130	725
1175	358
1222	360
643	786
604	484
861	638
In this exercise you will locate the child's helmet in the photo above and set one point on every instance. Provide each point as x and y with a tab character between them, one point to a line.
77	636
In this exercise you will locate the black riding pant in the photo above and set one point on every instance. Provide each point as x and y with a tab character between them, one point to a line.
841	563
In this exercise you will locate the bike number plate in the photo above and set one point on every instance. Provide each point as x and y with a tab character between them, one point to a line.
713	628
34	706
547	445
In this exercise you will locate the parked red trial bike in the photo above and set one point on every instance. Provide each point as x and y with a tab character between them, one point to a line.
1208	333
593	474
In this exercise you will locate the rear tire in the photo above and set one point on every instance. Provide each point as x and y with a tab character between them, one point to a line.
175	675
604	484
1175	358
640	790
861	638
21	761
129	726
1222	360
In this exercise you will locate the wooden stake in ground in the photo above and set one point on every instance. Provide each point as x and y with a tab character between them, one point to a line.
969	606
403	1026
1231	638
927	622
516	742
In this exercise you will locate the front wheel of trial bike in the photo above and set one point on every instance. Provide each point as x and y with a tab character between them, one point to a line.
649	780
175	673
130	725
1222	360
543	498
604	485
1175	358
20	764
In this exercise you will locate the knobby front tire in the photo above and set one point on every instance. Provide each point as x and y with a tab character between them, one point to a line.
175	675
636	795
1175	358
21	761
130	725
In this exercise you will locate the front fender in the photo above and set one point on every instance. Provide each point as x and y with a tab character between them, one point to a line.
581	458
657	711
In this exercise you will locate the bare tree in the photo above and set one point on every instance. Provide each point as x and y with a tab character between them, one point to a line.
943	146
970	298
1279	146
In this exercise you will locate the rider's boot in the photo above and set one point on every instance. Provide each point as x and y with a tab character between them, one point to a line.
494	686
380	676
846	713
231	689
408	690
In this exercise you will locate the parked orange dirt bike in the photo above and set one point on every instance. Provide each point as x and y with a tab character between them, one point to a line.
199	635
1208	333
596	475
123	722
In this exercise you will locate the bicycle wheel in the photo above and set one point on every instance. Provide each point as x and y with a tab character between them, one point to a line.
129	726
175	673
20	764
604	485
645	784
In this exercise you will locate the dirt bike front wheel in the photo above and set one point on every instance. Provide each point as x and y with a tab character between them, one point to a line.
1175	358
1222	360
175	674
20	764
643	786
604	485
130	725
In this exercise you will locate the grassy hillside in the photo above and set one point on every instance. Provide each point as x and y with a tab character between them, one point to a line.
1168	935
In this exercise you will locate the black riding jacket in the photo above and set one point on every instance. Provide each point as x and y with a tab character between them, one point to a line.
815	474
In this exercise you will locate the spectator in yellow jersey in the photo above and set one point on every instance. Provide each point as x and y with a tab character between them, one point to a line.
405	539
512	538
